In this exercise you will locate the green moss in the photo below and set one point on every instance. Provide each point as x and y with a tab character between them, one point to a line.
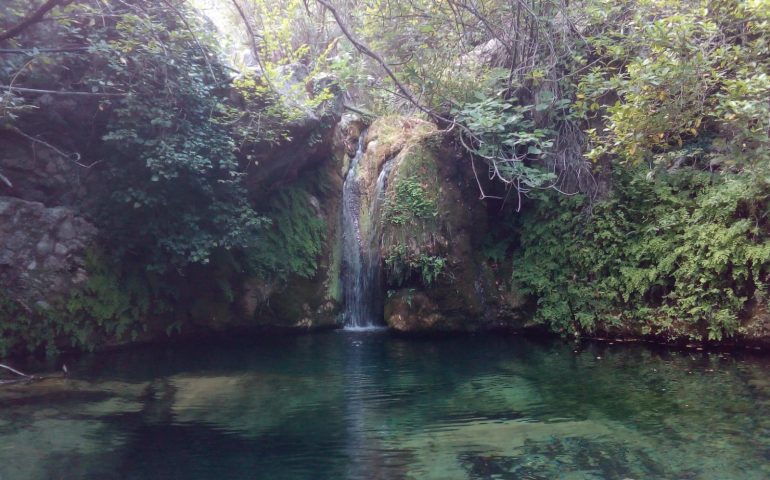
334	289
411	219
413	194
295	240
410	201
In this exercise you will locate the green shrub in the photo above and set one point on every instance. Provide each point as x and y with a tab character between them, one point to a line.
111	306
678	256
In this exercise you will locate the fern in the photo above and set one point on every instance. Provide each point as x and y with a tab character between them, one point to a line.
679	256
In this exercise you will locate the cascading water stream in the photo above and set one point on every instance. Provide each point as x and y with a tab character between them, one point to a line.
361	272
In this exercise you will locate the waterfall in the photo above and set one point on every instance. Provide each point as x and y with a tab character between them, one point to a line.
361	265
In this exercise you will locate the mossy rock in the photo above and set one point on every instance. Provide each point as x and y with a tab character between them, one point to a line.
302	304
310	298
432	225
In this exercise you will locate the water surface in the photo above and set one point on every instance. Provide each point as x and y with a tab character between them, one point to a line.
367	405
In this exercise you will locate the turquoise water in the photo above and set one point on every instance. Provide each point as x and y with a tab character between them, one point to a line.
343	405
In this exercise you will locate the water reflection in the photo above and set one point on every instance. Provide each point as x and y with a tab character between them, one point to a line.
368	405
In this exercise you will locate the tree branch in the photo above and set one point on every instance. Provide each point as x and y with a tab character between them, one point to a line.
33	18
34	51
253	43
29	378
57	92
5	180
374	56
72	157
13	370
194	37
358	111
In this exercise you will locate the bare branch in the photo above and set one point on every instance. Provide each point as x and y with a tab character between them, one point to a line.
194	37
373	55
13	370
33	18
58	92
35	51
253	42
5	180
30	378
72	157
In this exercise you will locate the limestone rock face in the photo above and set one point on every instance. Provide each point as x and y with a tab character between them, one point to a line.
432	225
310	136
42	249
314	302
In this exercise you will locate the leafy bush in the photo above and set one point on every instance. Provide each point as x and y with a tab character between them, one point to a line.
110	306
677	256
679	71
174	179
24	328
503	134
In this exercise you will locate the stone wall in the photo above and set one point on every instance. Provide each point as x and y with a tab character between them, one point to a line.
38	173
42	250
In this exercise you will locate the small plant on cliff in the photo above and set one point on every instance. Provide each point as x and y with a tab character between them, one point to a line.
108	304
410	200
106	307
401	265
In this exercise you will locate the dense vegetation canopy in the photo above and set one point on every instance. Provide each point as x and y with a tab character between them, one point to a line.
623	147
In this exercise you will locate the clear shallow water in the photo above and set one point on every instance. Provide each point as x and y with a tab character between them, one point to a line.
368	405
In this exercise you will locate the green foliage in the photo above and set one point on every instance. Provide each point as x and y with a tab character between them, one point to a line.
25	329
401	264
411	200
170	134
258	116
656	82
295	240
110	306
175	193
504	135
677	256
680	71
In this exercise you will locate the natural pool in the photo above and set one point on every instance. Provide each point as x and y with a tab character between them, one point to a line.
343	405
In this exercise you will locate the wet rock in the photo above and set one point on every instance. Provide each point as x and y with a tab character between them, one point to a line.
44	246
